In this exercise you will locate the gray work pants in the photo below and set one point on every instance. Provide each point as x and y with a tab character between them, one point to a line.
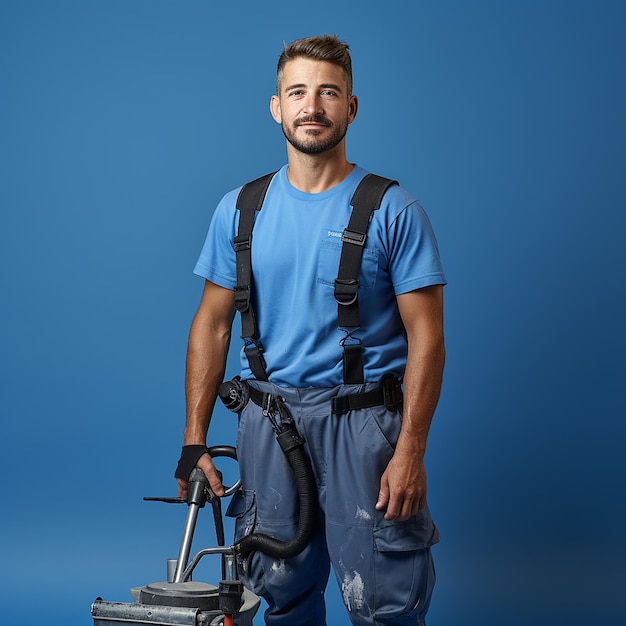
384	568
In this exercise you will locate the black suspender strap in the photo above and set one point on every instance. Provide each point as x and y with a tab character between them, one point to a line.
249	202
366	199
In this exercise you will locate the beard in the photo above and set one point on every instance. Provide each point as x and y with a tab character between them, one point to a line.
312	144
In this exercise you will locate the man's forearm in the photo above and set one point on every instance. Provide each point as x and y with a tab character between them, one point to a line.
422	314
209	339
206	361
422	386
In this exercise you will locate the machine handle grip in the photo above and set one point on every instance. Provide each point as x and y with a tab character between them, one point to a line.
231	453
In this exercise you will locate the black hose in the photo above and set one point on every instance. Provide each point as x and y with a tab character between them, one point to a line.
293	447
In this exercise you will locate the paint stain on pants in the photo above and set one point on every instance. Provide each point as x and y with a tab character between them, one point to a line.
352	589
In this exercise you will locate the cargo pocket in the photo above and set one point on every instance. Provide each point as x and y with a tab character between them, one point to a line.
405	575
242	508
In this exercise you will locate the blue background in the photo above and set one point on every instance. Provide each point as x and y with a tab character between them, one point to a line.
122	123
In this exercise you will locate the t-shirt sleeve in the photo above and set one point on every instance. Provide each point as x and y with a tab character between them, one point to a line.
216	262
414	260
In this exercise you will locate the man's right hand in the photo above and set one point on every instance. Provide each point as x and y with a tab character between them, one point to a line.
205	463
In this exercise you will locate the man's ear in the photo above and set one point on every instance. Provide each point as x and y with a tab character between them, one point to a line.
275	109
353	107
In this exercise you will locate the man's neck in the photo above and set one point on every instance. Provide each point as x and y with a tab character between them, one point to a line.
315	173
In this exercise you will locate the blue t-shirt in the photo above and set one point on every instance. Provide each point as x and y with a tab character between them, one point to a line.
296	245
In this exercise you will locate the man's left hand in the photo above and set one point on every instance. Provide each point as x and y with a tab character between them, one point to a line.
402	486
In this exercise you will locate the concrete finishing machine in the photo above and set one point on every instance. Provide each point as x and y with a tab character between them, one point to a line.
179	601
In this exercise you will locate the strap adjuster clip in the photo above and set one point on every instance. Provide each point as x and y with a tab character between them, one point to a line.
242	242
353	237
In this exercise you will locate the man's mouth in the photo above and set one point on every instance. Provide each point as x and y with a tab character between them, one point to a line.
312	121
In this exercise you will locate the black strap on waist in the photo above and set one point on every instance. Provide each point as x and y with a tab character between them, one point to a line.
366	199
388	394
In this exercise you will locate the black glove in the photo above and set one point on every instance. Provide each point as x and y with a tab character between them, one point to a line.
188	459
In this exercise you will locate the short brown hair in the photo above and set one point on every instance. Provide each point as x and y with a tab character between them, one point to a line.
324	48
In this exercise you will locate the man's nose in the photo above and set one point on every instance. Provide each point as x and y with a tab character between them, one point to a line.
312	104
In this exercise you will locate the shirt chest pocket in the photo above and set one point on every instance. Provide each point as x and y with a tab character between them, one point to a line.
328	265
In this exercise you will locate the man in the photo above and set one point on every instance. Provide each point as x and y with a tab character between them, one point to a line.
374	525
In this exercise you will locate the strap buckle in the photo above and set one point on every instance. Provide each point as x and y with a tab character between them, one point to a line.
256	360
268	407
242	298
346	291
392	393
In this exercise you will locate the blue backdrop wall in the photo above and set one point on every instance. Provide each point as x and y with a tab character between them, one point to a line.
121	125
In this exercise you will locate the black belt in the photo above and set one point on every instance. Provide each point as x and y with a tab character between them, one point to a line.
259	398
388	394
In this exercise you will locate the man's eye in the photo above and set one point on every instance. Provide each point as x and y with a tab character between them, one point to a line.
329	92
